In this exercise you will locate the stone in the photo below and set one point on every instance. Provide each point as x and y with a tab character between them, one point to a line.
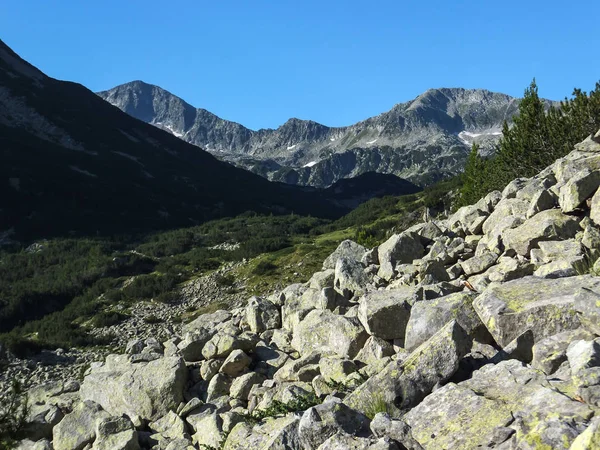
289	372
323	279
322	329
384	314
545	306
350	278
27	444
190	406
433	270
547	225
236	363
210	368
505	208
512	188
556	269
383	425
116	433
583	355
141	390
374	350
207	429
78	428
262	315
427	317
403	384
577	189
268	359
222	344
595	208
478	264
207	321
278	433
336	369
400	248
549	353
192	344
541	201
347	249
241	386
323	421
590	438
218	386
471	413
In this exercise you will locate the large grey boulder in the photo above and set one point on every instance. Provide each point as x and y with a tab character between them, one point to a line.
277	434
504	403
375	349
399	249
384	314
544	306
427	317
223	343
403	384
468	219
236	363
140	390
323	421
579	188
262	315
506	207
595	208
547	225
78	428
350	278
193	342
324	330
347	249
241	386
116	433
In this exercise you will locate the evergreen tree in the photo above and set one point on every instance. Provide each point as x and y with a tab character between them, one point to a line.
473	181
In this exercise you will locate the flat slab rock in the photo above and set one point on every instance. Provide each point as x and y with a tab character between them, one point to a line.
503	402
544	306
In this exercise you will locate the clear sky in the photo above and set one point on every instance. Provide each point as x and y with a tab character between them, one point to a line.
334	61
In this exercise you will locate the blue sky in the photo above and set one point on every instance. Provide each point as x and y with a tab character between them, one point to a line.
337	62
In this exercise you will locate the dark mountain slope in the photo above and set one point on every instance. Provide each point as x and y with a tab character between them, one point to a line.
72	163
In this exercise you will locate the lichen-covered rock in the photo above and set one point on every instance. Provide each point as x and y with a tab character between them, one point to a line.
479	264
78	428
241	386
347	249
385	313
575	191
583	355
470	414
549	353
350	278
115	433
262	315
383	425
505	208
374	350
322	329
269	360
403	384
170	426
556	269
336	369
399	249
141	390
547	225
545	306
323	421
218	386
193	342
427	317
278	433
236	363
590	438
222	344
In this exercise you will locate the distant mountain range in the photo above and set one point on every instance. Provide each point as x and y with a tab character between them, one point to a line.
73	164
422	140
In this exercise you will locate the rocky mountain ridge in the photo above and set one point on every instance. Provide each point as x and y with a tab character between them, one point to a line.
477	331
422	140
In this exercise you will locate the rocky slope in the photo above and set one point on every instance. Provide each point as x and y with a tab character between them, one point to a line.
477	331
422	140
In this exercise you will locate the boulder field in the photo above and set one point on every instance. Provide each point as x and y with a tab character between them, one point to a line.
477	331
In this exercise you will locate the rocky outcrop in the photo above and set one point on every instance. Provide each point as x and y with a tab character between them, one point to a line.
469	332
